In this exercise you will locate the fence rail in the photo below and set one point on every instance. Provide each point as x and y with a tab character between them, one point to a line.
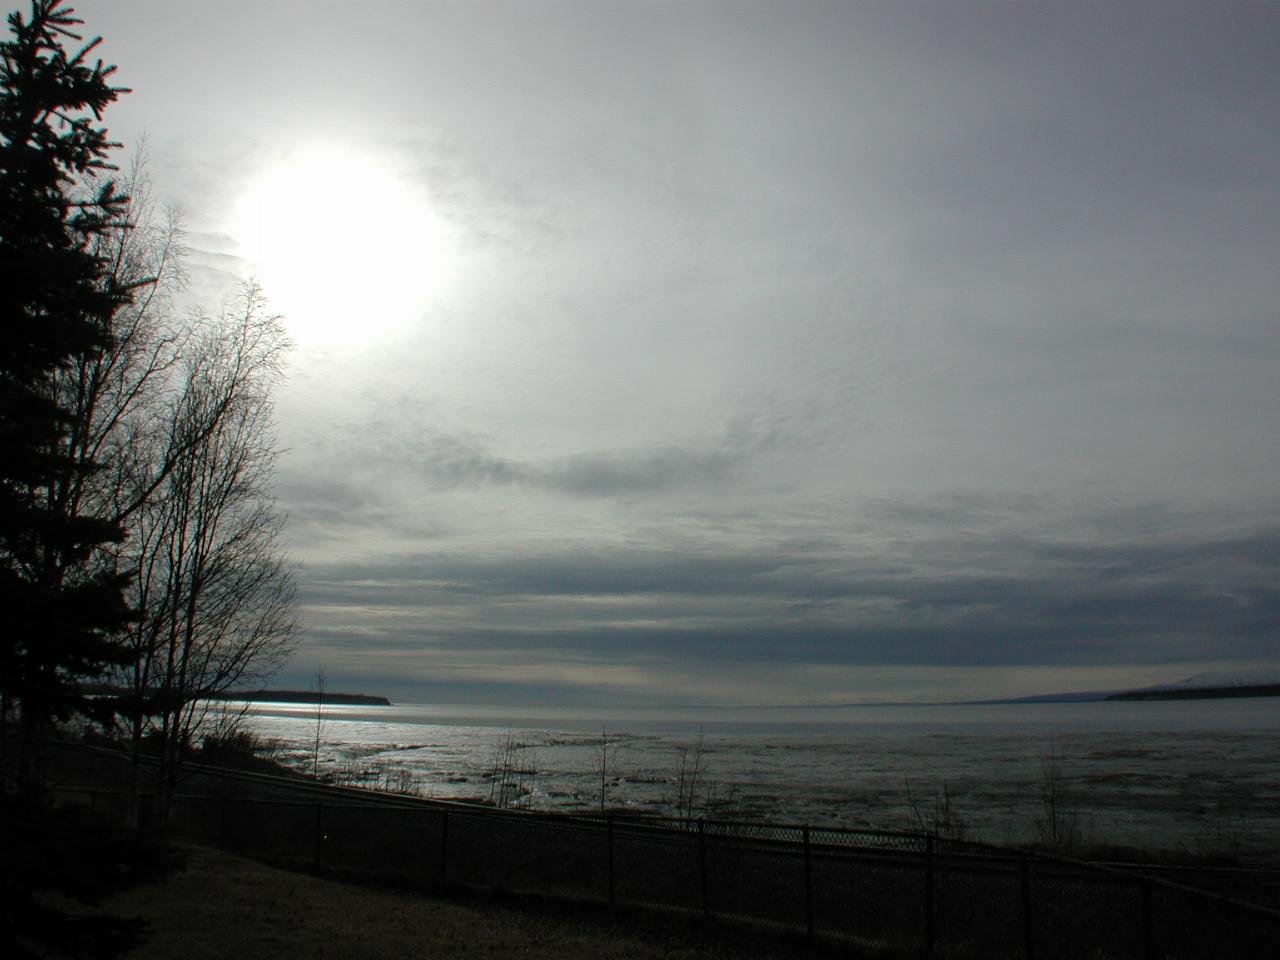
889	893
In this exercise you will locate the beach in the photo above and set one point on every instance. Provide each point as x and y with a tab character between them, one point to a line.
1195	776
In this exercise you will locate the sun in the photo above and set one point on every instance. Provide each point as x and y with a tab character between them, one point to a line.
346	248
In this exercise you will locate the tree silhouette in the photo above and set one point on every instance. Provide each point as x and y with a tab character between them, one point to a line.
60	592
178	411
214	595
148	441
61	596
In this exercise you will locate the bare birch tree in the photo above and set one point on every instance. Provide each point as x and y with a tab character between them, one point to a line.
111	396
690	794
178	413
213	591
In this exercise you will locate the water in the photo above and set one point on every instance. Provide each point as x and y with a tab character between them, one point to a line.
1200	776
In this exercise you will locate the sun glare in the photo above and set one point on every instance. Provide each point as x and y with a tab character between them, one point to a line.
345	248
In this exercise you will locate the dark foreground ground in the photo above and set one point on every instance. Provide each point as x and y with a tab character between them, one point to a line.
219	905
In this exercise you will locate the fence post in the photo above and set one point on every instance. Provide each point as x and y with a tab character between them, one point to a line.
1028	929
929	932
609	828
444	847
702	870
808	885
1148	927
319	831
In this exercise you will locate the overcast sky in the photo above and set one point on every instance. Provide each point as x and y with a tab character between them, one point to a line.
749	352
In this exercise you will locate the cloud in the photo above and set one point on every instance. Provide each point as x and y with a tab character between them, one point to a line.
1026	600
776	348
437	460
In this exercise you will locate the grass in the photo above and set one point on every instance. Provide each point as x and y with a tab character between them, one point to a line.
219	905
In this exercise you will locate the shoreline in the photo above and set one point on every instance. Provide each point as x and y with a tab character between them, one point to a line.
305	696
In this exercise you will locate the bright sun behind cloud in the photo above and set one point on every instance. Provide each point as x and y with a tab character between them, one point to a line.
345	247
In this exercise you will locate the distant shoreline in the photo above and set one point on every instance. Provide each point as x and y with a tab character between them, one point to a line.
305	696
1093	696
1201	693
257	696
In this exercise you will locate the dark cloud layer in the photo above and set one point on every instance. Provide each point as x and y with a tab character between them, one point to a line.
943	602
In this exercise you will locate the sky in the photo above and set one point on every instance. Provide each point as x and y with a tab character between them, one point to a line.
747	353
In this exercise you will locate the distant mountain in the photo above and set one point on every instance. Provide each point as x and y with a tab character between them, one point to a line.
1202	693
1257	682
1258	677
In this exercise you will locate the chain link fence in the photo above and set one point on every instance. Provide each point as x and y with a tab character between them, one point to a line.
885	894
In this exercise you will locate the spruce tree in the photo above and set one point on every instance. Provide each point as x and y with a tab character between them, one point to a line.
61	597
61	601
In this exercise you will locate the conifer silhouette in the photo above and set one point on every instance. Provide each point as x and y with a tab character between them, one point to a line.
60	594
